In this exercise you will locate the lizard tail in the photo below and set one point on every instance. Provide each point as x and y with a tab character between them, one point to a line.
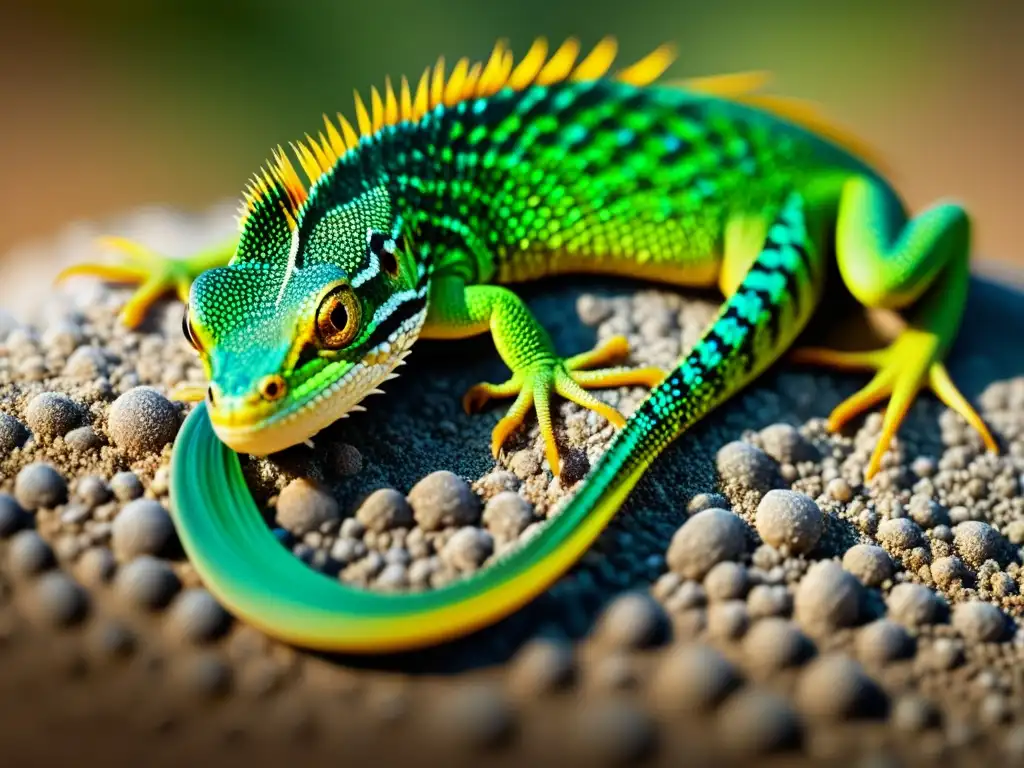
247	569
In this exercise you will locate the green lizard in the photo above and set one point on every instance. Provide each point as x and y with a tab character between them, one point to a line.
413	223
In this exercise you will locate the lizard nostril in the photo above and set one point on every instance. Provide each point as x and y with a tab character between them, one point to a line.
210	396
272	387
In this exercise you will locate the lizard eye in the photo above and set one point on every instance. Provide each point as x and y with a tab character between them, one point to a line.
337	318
186	328
384	249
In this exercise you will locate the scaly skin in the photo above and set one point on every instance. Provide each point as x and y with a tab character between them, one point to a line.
495	176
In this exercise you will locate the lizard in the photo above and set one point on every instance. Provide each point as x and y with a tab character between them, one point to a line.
414	222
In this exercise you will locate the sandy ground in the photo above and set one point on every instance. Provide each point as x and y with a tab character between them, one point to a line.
754	601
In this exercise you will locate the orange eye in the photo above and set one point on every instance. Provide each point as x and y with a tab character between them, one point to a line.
272	387
337	318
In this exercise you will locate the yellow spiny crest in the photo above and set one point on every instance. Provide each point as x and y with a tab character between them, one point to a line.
466	81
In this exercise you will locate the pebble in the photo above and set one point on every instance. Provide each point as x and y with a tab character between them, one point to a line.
383	510
839	490
303	506
147	582
506	515
29	554
13	434
835	686
789	521
142	421
346	459
58	601
476	715
111	640
707	538
870	564
613	731
142	527
768	600
632	620
774	643
39	485
126	486
913	605
196	616
726	581
93	491
693	678
947	571
977	542
53	414
755	722
95	567
979	622
443	499
883	641
747	465
785	444
728	620
542	665
467	549
827	597
702	501
900	535
12	517
912	714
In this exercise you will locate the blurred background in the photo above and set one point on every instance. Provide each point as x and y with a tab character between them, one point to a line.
111	104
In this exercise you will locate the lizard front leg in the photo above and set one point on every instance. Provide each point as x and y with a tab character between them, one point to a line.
458	310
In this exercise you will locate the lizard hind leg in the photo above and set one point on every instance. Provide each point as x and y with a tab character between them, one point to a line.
154	274
919	266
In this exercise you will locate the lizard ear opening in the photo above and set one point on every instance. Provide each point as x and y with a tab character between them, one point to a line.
384	249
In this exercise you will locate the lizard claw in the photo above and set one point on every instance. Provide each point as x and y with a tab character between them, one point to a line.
532	389
902	370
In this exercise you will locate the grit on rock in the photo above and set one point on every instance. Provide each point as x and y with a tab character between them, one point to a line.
754	595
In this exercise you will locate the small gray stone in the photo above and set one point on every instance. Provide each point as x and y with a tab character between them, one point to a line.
789	521
93	491
747	465
703	501
883	641
707	538
613	731
632	620
541	666
29	554
870	564
82	439
383	510
977	542
786	445
693	678
143	527
827	597
346	459
12	434
442	500
52	414
926	512
196	616
303	506
726	581
775	643
467	549
835	686
506	515
768	600
95	567
946	571
755	722
126	486
58	601
12	517
476	715
980	622
86	363
39	485
142	421
899	535
147	583
728	619
913	605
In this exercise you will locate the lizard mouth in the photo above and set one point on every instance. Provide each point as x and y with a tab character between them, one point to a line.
252	433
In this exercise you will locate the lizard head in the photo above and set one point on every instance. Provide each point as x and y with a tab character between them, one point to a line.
307	320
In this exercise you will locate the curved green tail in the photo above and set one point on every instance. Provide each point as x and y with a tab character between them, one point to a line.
257	579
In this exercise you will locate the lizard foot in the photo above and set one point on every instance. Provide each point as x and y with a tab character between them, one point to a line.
901	371
569	378
155	275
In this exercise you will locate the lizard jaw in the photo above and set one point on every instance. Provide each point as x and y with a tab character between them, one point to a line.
302	420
